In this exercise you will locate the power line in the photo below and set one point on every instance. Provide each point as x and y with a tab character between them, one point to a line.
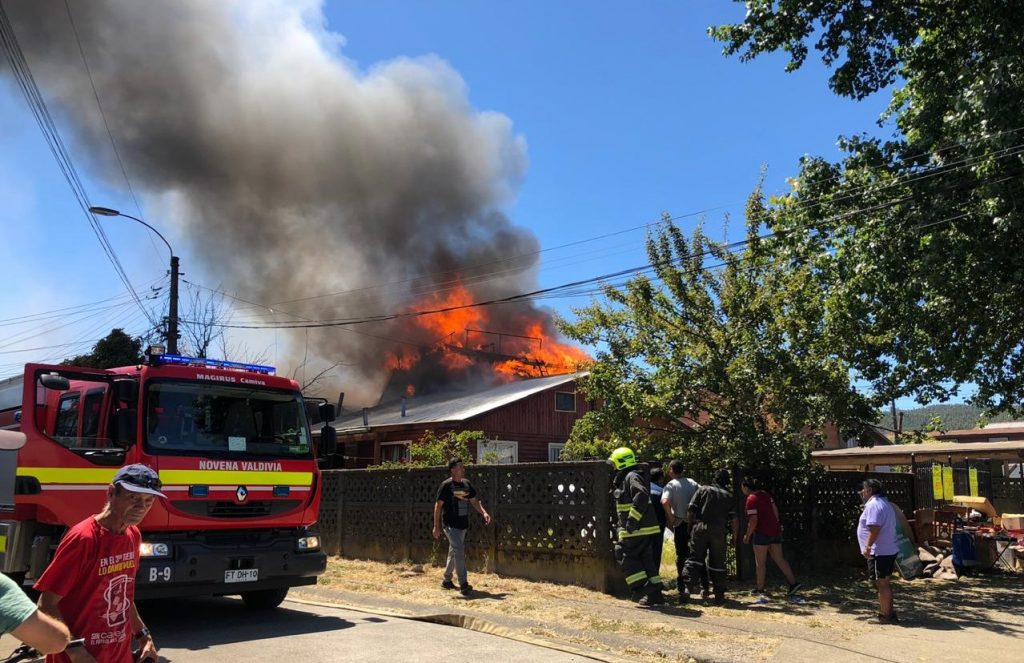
806	204
106	125
40	111
731	247
49	315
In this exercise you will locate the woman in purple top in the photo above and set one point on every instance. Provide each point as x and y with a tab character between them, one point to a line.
876	533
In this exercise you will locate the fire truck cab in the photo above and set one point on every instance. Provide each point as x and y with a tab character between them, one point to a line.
231	444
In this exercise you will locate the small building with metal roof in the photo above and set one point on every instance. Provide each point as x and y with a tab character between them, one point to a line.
524	421
865	458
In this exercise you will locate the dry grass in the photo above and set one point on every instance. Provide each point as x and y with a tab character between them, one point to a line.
569	614
834	613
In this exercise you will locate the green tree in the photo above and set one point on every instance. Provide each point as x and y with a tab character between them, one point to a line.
433	450
115	349
716	358
918	239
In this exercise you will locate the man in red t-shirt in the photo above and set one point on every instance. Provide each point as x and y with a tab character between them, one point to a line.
90	584
765	532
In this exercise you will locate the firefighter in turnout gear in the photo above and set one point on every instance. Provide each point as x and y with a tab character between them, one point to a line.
636	528
712	514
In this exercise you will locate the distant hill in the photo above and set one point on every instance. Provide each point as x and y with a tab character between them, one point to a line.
953	416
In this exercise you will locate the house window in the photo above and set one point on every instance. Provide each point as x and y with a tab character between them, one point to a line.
394	452
998	439
565	401
497	452
555	450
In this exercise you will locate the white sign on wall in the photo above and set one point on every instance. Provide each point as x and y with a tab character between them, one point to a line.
497	452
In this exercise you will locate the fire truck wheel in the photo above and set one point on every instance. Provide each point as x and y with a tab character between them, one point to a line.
264	599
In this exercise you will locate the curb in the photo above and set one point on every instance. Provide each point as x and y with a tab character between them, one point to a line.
472	624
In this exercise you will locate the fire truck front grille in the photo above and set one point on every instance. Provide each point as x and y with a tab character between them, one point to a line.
254	509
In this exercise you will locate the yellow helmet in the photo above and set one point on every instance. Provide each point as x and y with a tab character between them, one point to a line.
622	458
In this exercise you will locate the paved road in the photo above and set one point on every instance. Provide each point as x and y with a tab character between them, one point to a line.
209	630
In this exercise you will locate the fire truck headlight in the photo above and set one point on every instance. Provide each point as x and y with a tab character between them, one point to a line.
155	550
308	543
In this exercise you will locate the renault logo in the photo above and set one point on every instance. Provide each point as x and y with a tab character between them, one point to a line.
241	493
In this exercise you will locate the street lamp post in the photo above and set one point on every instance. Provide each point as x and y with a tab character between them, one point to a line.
172	314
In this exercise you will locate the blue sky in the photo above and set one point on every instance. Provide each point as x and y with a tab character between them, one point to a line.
626	113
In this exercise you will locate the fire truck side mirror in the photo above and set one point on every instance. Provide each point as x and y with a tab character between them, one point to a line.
54	381
328	441
125	422
326	411
126	390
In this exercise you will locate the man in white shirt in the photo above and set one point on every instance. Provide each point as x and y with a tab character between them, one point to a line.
876	534
675	500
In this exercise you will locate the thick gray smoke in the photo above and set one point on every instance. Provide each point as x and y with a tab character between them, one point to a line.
291	172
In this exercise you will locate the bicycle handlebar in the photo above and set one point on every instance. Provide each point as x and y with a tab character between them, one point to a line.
27	653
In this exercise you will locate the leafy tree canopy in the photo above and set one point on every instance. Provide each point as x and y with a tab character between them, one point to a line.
115	349
918	239
434	450
716	358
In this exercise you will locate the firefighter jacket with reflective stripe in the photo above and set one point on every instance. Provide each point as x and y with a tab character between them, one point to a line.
633	504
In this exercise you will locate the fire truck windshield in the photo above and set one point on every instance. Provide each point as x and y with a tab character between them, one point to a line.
198	418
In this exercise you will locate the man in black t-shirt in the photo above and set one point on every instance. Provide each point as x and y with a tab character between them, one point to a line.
454	498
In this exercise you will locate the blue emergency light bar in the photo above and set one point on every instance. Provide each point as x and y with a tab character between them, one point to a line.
182	360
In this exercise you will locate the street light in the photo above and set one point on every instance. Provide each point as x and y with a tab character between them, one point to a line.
172	315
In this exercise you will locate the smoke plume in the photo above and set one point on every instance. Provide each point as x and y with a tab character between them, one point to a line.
291	171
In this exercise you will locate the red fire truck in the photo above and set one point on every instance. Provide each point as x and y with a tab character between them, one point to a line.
233	449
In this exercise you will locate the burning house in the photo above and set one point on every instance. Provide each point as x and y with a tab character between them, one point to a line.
523	421
517	387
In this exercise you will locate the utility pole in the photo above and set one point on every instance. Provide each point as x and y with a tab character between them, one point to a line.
172	317
172	313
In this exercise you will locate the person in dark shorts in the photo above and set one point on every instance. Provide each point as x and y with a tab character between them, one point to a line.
876	534
454	498
765	532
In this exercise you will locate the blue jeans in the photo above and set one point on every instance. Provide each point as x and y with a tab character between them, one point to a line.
456	554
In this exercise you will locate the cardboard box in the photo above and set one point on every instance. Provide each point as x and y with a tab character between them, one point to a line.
977	503
1013	521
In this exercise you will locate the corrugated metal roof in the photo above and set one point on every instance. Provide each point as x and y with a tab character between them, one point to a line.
992	430
451	406
900	454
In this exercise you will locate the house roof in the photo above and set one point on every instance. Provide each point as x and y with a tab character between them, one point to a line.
1001	429
900	454
450	406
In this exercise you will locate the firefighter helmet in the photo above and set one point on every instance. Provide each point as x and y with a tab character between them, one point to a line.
622	458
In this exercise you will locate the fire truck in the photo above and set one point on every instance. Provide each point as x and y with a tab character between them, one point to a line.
234	451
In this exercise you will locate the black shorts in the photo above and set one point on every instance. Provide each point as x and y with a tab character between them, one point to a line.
765	539
881	566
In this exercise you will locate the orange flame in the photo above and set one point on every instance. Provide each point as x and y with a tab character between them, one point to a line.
466	336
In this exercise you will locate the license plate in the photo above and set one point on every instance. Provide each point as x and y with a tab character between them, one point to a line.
242	575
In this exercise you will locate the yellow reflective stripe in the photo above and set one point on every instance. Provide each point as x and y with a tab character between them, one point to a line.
171	477
99	475
634	514
636	577
3	543
655	579
643	531
622	508
236	477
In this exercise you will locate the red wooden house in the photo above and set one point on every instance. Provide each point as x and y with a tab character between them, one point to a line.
527	421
